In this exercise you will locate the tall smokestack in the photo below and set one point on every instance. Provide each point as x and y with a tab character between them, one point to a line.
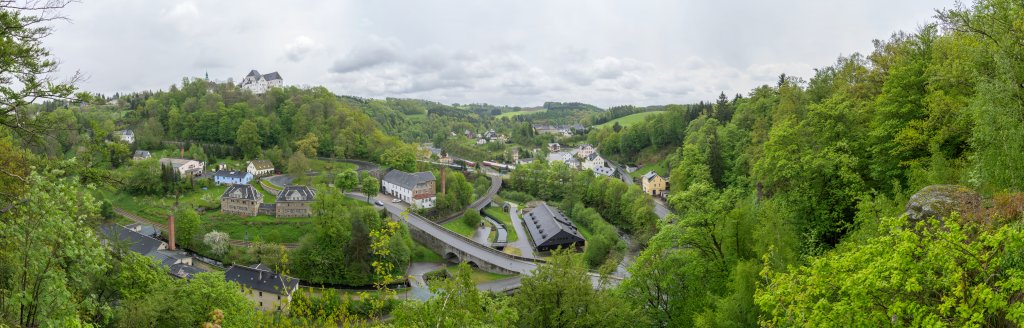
170	232
442	179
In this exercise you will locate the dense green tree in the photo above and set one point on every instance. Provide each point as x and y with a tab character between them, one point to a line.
400	158
49	254
560	294
188	226
346	180
370	186
248	138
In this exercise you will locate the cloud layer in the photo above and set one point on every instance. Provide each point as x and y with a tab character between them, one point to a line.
517	53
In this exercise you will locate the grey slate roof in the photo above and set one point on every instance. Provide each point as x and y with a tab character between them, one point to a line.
296	194
240	191
230	174
138	243
261	278
185	271
647	176
550	228
142	153
272	76
144	229
407	180
253	73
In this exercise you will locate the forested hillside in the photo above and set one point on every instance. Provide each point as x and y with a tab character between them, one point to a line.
785	196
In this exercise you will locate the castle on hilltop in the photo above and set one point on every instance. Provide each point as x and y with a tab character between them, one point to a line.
261	83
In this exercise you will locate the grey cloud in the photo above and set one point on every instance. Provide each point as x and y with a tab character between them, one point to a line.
540	50
361	58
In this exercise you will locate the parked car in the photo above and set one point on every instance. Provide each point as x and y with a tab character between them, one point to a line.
378	203
396	200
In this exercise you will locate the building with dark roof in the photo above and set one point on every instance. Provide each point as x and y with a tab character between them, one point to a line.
241	199
141	155
550	229
272	291
294	201
231	177
178	262
258	83
416	189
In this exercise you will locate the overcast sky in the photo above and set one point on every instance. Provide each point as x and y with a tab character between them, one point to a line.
606	53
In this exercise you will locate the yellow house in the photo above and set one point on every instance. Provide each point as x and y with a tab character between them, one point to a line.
653	184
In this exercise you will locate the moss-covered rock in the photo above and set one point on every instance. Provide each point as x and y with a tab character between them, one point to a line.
940	201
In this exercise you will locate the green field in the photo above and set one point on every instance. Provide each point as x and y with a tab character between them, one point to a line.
460	228
658	167
629	120
521	112
505	219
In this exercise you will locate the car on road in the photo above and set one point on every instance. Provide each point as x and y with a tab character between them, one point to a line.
378	203
396	200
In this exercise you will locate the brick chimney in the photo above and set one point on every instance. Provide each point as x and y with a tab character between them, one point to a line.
442	179
170	232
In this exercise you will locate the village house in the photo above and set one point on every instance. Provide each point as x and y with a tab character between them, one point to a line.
269	290
141	155
554	146
653	184
183	166
416	189
141	239
585	151
127	136
260	168
294	201
549	229
231	177
258	84
241	199
481	141
593	161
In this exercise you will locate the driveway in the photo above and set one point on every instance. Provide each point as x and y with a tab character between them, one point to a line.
523	243
281	180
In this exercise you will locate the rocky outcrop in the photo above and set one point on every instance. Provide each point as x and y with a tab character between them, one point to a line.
940	201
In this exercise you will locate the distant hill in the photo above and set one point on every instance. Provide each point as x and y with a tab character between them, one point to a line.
629	120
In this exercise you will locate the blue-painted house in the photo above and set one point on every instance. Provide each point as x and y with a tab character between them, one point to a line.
232	177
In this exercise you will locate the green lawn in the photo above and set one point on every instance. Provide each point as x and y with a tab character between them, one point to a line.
658	167
268	198
505	219
522	112
459	227
266	228
629	119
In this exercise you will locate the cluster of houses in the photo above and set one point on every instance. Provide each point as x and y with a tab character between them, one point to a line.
485	137
259	83
584	157
244	200
268	289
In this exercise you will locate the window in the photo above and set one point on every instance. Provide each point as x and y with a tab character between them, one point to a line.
261	294
261	304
